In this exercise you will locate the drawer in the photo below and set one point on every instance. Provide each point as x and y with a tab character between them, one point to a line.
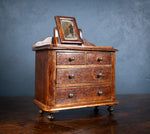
70	58
80	95
83	75
99	58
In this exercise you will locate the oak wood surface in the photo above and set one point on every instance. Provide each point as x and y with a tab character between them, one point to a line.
92	58
77	71
82	95
19	116
71	58
41	76
84	84
83	75
45	75
56	109
80	48
113	75
82	66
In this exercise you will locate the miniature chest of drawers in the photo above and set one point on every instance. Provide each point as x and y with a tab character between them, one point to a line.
68	77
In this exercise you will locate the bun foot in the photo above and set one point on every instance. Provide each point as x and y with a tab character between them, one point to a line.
50	117
41	111
110	109
96	109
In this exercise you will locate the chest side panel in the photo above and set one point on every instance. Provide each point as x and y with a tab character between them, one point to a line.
41	76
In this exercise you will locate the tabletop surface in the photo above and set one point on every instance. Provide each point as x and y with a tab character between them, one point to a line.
18	115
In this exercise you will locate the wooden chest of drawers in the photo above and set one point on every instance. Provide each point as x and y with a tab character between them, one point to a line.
74	77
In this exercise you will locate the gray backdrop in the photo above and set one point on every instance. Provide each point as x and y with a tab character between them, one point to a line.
123	24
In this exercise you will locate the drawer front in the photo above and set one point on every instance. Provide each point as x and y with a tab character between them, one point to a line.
70	58
99	58
84	75
80	95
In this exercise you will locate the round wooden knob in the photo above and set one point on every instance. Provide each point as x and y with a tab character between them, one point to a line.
100	75
100	59
71	59
100	93
70	95
71	76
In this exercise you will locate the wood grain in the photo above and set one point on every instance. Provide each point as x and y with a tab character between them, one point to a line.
82	95
113	76
19	116
92	58
74	71
83	75
45	75
42	76
82	66
65	58
76	47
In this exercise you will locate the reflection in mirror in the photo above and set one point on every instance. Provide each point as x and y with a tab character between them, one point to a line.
68	29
